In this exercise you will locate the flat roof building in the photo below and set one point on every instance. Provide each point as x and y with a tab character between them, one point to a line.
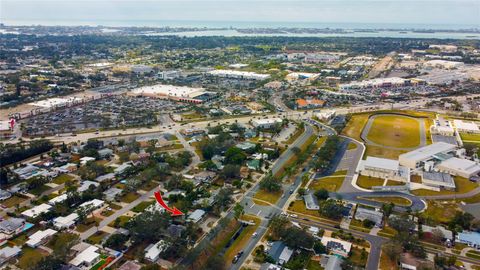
372	215
466	127
153	251
37	210
39	237
177	93
416	159
383	168
311	202
196	216
235	74
88	257
337	246
66	221
438	180
459	166
266	123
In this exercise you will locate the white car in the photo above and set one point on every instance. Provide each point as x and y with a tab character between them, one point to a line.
254	234
293	216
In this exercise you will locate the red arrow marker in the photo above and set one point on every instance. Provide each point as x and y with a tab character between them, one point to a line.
174	211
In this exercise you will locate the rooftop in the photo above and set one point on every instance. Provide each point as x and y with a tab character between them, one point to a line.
382	163
428	151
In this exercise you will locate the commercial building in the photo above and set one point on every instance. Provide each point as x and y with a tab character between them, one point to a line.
444	47
177	93
294	76
417	158
376	83
309	103
466	127
169	74
459	166
5	131
266	123
235	74
384	168
472	239
39	237
443	127
443	64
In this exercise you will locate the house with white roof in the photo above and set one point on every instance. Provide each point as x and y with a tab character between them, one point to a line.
153	251
93	204
84	160
8	253
196	216
37	210
39	237
58	199
86	258
66	221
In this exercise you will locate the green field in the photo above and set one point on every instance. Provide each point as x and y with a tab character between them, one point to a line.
330	183
368	182
395	131
394	199
271	197
470	137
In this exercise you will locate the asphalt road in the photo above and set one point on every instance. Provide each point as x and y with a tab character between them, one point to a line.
266	212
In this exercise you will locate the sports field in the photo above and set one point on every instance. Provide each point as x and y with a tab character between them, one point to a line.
395	131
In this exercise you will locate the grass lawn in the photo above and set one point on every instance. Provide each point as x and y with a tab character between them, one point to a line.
299	207
344	172
386	263
271	197
387	231
242	239
355	125
61	179
330	183
377	151
39	190
357	257
119	222
368	182
470	137
314	265
356	224
97	237
351	146
388	199
129	197
30	257
473	254
395	131
463	186
169	147
395	183
149	185
141	206
13	201
20	239
441	211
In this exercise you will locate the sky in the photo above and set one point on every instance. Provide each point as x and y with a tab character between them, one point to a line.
131	12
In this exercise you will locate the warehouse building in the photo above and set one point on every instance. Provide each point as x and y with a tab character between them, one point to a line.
177	93
384	168
235	74
460	167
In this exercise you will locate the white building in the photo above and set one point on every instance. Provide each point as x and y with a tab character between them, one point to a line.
39	237
235	74
459	166
417	158
178	93
266	123
58	199
466	127
93	204
443	64
65	222
436	181
169	75
196	216
325	115
153	251
384	168
302	76
375	83
37	210
443	127
87	258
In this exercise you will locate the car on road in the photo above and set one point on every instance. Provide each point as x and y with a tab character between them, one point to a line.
291	191
293	216
255	234
237	257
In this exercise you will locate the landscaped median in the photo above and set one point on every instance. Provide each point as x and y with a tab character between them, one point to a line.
397	200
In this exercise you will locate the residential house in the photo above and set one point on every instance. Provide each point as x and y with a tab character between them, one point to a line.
337	246
279	252
196	216
39	237
311	202
87	257
65	222
153	251
372	215
8	253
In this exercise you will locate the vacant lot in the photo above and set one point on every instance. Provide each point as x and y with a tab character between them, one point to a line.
262	195
395	131
440	211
